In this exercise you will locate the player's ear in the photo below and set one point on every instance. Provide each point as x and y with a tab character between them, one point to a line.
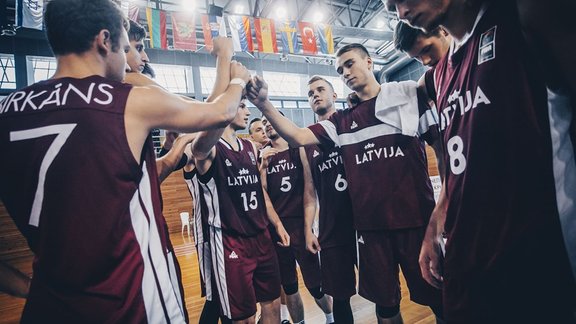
103	42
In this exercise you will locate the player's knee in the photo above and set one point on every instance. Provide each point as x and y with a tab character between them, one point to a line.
290	289
387	312
316	292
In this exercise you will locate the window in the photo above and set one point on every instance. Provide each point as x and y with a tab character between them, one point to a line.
341	90
7	72
174	78
208	78
283	84
42	67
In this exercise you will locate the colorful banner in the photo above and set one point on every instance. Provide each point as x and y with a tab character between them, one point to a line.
265	35
184	31
29	13
241	33
325	39
212	26
289	37
308	38
157	28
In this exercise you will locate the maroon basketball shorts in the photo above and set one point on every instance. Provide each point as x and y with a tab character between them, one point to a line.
338	275
245	272
296	252
380	254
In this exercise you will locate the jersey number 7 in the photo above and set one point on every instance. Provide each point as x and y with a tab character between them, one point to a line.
62	131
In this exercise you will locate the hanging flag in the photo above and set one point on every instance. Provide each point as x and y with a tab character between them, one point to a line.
184	31
325	38
133	11
288	37
157	28
241	33
212	26
29	13
308	38
265	35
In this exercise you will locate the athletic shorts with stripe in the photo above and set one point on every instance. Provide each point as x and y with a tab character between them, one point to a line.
380	254
338	275
296	252
245	272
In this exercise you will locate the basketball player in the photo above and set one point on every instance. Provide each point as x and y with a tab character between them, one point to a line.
257	133
283	179
336	239
87	195
381	142
171	156
428	49
245	267
211	310
136	58
223	50
504	248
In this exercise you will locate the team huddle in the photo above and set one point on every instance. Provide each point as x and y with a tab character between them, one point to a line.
81	179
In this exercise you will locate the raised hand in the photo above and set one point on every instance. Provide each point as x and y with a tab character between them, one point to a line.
237	70
257	91
223	47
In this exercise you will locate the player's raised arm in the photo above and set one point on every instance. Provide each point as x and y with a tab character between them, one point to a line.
203	148
167	163
257	93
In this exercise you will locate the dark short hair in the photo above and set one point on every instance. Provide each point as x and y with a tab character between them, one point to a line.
319	78
148	70
136	32
405	36
354	46
252	122
71	25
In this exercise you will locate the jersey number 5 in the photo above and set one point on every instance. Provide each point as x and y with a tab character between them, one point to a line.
62	133
285	185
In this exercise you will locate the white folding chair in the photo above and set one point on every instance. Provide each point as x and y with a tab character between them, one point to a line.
185	219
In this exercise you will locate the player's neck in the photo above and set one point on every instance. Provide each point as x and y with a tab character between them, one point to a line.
229	135
369	91
327	115
79	66
279	143
461	17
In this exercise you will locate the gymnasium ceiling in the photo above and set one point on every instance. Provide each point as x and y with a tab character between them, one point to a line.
354	21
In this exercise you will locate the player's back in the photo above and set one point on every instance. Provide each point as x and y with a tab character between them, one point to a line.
91	213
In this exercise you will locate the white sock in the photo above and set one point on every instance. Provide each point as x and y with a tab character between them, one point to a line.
284	314
329	318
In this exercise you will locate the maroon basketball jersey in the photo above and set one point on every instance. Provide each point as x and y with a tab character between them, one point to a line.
384	157
495	127
285	183
335	217
233	190
91	213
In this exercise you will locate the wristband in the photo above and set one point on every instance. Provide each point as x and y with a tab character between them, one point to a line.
239	82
